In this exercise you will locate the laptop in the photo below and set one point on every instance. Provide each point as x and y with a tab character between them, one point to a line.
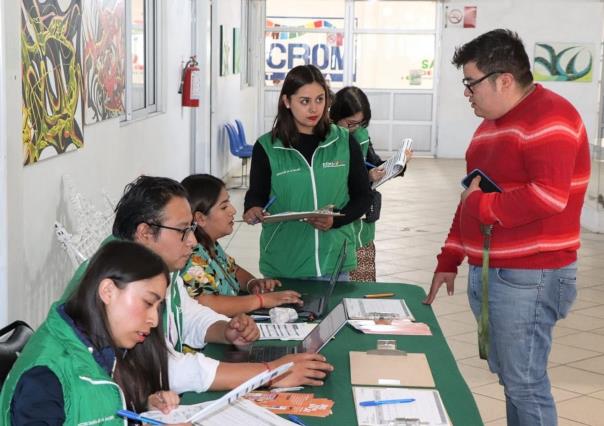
315	304
314	342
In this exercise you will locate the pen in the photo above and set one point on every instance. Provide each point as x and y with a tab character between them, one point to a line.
386	401
295	419
292	389
134	416
378	295
368	164
269	203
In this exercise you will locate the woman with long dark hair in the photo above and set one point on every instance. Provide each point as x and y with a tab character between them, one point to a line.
99	352
351	109
211	276
306	163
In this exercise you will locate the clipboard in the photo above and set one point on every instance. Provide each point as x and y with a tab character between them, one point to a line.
390	367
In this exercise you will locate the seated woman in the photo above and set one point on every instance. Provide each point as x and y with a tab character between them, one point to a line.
211	276
101	351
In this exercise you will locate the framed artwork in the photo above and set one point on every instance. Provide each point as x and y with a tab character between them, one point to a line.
236	50
104	59
51	84
568	62
225	52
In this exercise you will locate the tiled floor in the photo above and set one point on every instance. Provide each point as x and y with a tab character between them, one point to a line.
416	215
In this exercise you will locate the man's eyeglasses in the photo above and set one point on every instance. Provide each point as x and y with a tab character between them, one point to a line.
469	83
184	231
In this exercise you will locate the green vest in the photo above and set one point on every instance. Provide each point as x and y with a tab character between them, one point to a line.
174	297
295	249
364	233
90	396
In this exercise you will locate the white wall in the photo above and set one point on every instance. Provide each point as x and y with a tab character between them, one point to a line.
230	101
535	21
111	157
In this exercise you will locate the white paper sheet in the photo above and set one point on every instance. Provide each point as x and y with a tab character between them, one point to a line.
376	308
242	412
395	164
427	408
288	331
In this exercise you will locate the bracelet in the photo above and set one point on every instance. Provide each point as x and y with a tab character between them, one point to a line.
247	284
261	300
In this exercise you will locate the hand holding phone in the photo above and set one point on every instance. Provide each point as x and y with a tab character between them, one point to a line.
486	184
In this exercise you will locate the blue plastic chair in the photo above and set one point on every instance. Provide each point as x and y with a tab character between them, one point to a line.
241	132
242	152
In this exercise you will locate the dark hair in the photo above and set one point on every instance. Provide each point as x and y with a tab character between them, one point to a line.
497	50
348	101
144	201
203	190
143	369
284	126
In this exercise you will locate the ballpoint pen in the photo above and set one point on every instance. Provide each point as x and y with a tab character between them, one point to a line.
269	203
135	416
386	401
368	164
296	419
378	295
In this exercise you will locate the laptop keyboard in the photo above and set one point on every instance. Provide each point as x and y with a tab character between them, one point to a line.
270	353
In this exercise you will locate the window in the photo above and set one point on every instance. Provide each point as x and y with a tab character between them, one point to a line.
141	48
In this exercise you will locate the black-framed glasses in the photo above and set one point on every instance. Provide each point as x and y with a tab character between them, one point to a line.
184	231
469	83
351	124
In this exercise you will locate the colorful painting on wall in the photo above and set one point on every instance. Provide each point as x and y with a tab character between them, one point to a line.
225	52
104	59
563	62
51	78
236	50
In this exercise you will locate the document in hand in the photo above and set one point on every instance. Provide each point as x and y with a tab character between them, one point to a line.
384	405
395	164
194	413
282	217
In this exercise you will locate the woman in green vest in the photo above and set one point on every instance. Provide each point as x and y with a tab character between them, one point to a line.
211	276
99	352
350	109
305	163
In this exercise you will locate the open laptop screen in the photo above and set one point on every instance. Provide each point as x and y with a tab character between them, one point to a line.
338	269
326	329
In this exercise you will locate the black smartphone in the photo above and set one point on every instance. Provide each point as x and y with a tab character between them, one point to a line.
486	184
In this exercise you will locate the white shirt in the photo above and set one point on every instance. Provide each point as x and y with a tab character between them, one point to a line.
191	371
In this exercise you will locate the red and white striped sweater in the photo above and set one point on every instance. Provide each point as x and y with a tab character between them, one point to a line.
539	155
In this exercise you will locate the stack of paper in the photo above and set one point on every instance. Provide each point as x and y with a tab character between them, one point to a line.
377	309
414	407
395	327
395	164
300	404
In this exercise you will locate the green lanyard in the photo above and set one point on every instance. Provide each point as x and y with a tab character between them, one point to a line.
176	310
483	321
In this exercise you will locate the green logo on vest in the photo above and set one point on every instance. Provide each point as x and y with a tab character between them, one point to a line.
331	164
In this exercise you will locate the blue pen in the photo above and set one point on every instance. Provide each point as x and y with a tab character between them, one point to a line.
269	203
386	401
134	416
295	419
368	164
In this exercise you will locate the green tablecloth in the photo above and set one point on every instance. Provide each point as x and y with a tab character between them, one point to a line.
454	391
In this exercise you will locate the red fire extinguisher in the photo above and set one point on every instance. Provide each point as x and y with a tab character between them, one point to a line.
190	84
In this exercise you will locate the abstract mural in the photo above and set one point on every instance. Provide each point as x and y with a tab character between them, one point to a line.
51	77
104	59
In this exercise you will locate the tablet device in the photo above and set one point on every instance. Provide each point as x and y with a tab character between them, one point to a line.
486	184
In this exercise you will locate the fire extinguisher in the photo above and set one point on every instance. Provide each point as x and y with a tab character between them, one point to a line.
190	83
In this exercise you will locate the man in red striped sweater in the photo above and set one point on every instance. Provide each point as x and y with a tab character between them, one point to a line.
532	143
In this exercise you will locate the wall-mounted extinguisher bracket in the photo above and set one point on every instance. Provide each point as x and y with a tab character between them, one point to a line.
190	84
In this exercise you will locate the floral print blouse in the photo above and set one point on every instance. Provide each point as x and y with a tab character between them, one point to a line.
206	275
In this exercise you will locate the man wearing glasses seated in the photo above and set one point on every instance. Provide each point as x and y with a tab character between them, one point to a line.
154	212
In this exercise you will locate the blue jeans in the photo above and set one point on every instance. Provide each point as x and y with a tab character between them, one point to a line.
524	305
